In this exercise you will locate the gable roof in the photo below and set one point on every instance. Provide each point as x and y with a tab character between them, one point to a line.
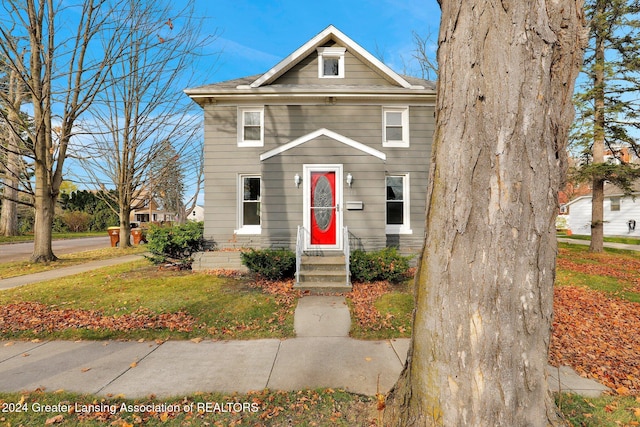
328	133
330	33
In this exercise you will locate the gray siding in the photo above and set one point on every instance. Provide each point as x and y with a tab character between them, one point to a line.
281	201
357	73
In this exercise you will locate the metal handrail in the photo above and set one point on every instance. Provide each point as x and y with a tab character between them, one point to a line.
347	253
299	250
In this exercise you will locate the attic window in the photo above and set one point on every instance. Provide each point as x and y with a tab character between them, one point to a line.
331	62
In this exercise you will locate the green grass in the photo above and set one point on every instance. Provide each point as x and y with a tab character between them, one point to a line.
66	235
617	239
615	272
396	307
300	408
395	310
19	268
224	308
303	408
607	411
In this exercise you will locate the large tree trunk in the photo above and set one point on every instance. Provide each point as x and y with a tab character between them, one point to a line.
9	215
597	191
125	224
484	289
43	225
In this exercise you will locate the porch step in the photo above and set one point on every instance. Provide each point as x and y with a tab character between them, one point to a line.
323	274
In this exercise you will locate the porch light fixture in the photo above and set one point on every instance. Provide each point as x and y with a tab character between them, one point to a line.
297	180
349	179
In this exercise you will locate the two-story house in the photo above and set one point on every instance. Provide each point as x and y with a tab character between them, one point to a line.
329	148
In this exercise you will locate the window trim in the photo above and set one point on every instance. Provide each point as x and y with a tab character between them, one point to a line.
331	52
615	203
405	227
404	110
241	114
247	229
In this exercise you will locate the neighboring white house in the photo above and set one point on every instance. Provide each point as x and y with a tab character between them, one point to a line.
197	214
621	213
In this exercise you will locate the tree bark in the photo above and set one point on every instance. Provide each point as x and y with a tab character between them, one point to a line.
597	152
484	286
9	215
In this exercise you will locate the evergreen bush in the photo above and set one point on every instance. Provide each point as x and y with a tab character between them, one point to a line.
385	264
176	243
272	264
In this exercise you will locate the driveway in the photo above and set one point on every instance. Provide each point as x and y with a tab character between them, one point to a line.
22	251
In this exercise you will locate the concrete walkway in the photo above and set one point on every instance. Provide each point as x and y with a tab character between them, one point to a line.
321	355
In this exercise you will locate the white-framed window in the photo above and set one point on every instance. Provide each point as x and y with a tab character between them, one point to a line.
615	204
250	126
331	62
395	126
249	217
397	209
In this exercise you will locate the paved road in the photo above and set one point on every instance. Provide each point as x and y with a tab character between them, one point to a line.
22	251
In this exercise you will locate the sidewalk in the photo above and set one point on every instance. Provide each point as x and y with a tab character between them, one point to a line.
612	245
322	355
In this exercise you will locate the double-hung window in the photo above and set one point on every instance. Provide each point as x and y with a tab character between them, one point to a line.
395	127
398	205
615	204
250	127
249	205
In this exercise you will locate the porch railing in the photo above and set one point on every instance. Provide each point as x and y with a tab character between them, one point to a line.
347	253
299	251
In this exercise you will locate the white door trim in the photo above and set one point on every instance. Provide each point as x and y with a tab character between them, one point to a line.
307	169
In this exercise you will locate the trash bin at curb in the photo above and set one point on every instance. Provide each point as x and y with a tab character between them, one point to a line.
138	236
114	234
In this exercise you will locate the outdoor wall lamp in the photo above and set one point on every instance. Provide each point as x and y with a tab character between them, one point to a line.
297	180
349	179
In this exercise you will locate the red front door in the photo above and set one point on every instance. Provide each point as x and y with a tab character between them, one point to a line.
323	208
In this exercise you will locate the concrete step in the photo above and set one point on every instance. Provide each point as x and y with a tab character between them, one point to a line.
315	288
323	276
331	260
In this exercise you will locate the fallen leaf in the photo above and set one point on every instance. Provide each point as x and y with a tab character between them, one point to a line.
368	359
197	340
54	420
133	364
9	344
85	369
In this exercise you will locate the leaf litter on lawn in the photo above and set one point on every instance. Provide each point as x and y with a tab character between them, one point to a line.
598	336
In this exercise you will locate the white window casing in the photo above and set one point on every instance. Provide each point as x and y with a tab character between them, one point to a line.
250	126
249	204
395	126
331	62
398	206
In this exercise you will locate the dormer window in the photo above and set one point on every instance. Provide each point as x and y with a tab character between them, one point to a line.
331	62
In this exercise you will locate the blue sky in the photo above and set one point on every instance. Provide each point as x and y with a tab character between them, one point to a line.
254	35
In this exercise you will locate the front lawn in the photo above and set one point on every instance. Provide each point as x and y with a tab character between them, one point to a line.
325	407
20	268
139	301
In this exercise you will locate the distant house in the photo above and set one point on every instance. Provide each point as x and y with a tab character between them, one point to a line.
327	150
197	214
621	213
146	209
